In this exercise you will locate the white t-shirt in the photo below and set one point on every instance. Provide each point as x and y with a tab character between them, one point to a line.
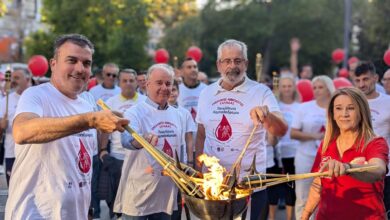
309	118
9	144
188	97
52	180
188	125
380	114
270	156
225	117
121	104
141	192
286	146
87	96
99	92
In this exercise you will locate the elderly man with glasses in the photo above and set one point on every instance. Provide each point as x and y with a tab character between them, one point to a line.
229	110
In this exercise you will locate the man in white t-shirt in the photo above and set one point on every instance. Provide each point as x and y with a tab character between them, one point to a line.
386	81
141	82
365	79
113	160
228	111
20	81
144	193
108	88
54	134
191	87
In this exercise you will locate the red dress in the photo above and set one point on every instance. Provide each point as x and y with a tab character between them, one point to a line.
345	197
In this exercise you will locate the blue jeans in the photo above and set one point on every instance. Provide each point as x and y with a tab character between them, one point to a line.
155	216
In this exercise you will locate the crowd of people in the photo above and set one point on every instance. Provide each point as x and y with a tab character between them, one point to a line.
64	154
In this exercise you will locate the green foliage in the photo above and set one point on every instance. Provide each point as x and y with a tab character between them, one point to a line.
266	28
374	20
118	28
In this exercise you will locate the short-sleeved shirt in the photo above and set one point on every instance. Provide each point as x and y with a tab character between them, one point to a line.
345	197
225	116
141	192
380	115
52	180
287	146
121	104
9	144
99	92
309	118
188	97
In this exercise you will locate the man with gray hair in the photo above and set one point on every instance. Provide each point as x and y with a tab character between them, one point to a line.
229	110
20	81
143	192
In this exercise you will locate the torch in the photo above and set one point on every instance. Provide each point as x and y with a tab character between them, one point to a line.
259	66
275	83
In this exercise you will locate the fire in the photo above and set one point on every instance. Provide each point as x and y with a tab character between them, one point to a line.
212	180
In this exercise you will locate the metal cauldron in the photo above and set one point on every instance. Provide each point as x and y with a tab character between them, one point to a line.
216	209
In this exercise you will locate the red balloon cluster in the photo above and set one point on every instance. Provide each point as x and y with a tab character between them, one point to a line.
38	65
305	90
343	72
195	53
161	56
338	55
341	82
386	57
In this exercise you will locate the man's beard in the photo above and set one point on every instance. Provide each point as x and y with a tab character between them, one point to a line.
233	74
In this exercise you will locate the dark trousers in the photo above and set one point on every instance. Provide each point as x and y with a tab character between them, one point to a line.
386	198
259	206
95	201
288	167
9	163
155	216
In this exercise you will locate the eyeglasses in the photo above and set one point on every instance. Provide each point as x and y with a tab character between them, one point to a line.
111	74
385	80
228	61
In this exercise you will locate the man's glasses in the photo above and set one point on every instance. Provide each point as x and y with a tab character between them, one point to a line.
236	61
111	74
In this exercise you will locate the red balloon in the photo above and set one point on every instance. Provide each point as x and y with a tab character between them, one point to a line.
341	82
305	89
92	82
161	56
195	53
386	57
352	60
338	55
38	65
343	72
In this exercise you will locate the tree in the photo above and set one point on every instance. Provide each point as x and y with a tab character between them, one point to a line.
118	28
170	12
374	38
268	28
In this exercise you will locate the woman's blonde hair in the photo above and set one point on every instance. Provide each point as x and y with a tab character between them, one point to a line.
296	95
364	125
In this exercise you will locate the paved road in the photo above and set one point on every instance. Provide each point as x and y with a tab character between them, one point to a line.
280	214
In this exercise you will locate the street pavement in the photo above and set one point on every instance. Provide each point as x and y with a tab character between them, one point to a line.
280	214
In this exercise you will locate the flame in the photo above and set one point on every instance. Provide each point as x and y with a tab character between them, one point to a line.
212	180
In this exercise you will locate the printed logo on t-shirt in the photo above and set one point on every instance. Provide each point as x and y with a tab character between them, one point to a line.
193	113
83	159
223	132
167	148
